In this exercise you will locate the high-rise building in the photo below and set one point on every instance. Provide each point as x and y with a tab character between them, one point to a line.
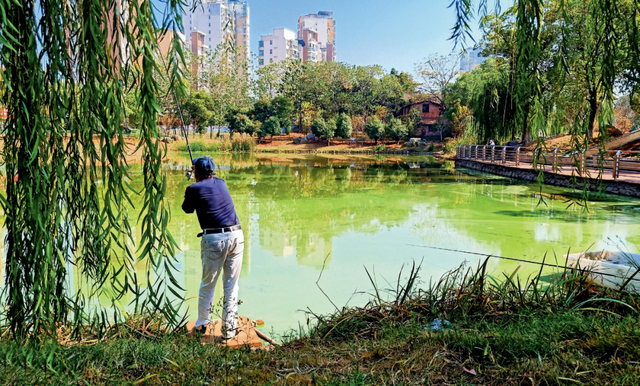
325	27
310	46
220	21
281	44
471	59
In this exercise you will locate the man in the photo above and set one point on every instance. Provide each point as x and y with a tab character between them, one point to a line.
222	243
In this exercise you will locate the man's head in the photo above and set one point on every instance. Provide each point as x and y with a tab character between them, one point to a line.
204	167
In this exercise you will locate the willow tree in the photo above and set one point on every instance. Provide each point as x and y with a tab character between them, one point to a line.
66	64
597	43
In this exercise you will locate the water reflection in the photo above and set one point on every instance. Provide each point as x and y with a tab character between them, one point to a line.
302	213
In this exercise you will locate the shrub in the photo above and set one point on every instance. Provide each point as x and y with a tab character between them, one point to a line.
271	127
343	126
374	128
396	129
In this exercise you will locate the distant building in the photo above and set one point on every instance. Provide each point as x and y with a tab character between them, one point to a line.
165	41
220	21
471	59
325	27
281	44
431	110
310	46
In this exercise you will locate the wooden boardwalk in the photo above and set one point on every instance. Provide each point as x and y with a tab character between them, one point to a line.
247	334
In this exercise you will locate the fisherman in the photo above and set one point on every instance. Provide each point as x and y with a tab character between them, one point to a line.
222	243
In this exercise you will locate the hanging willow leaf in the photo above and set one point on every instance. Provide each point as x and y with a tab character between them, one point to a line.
67	67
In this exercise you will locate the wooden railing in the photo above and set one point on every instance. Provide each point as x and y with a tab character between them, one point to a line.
612	161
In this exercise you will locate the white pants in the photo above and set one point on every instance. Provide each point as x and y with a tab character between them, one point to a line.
221	252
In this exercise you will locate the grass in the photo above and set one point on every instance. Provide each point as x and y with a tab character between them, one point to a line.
504	331
239	142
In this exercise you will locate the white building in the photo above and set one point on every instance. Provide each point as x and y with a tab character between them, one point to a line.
281	44
325	26
471	59
220	21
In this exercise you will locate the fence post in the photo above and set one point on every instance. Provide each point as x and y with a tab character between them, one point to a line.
493	154
616	166
504	155
484	152
582	162
554	166
458	151
518	156
476	153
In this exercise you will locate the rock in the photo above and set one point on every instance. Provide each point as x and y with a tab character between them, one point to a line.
176	137
168	140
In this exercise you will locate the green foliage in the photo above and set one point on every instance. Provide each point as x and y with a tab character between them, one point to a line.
374	128
318	127
271	127
343	126
197	110
63	138
414	121
396	130
239	122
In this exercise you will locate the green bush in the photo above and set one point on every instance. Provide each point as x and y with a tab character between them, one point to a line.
343	126
374	128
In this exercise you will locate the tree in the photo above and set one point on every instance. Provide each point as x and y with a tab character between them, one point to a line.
414	122
437	73
322	128
374	128
396	130
343	126
65	94
239	122
283	107
198	110
271	127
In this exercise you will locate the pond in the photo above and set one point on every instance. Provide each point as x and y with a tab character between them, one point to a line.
316	222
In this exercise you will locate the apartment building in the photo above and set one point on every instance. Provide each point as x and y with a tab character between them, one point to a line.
325	27
281	44
310	46
220	21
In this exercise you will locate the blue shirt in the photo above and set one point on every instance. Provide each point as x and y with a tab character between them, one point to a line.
212	202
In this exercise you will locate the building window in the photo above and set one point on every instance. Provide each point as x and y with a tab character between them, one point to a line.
209	24
261	52
271	42
270	60
261	62
261	43
425	108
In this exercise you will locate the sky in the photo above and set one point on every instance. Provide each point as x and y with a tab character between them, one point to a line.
389	33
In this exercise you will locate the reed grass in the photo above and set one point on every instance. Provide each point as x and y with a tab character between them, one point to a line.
502	331
238	143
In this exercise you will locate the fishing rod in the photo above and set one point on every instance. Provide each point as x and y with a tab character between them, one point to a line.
188	173
511	258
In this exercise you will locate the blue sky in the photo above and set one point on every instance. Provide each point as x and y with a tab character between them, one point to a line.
388	33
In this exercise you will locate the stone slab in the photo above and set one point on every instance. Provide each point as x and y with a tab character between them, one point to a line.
246	335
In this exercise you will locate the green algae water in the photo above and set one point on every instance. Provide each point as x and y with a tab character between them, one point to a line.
312	224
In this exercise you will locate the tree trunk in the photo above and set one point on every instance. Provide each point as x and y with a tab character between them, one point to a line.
593	111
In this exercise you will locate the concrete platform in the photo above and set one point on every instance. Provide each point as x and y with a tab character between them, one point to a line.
246	336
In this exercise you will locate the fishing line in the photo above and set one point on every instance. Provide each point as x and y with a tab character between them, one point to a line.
513	259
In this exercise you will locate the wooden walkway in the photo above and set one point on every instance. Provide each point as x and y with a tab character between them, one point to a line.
247	334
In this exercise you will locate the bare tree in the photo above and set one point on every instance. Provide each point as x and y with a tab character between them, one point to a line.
437	73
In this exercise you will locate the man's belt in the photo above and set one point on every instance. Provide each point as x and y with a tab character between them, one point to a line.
209	231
